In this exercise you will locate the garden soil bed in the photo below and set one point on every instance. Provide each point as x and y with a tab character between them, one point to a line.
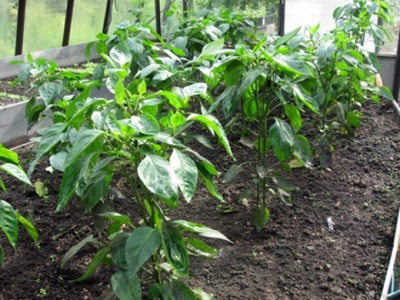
295	257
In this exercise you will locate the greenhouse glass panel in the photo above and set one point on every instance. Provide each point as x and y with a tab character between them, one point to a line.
310	13
8	25
264	11
88	14
136	11
390	46
44	24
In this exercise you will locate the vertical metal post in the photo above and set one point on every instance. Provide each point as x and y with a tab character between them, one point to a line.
281	17
158	16
396	83
68	22
107	16
185	8
19	42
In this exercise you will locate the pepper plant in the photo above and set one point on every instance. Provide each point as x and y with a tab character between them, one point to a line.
264	83
10	218
140	135
345	69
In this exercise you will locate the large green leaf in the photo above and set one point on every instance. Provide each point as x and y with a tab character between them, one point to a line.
72	175
180	291
8	156
200	248
213	125
126	286
195	89
302	150
175	248
211	50
100	256
287	37
50	137
87	142
293	113
75	249
186	171
158	176
9	222
282	139
28	227
140	246
208	181
201	229
120	54
145	124
15	171
48	91
97	184
291	64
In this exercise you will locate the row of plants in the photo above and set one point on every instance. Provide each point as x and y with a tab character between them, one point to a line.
290	98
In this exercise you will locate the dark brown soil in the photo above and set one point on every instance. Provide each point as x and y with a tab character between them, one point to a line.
295	257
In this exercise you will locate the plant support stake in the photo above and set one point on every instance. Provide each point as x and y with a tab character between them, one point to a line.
389	272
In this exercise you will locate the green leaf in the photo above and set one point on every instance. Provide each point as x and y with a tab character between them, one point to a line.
302	150
94	264
179	291
201	229
186	172
162	75
2	255
175	248
213	125
354	119
282	139
87	142
261	217
125	286
50	137
98	183
210	50
325	50
145	124
140	246
232	173
72	175
142	87
201	295
119	91
8	156
71	252
195	89
385	92
15	171
120	54
293	113
158	176
28	227
208	181
291	64
48	91
287	37
9	222
201	248
24	72
121	219
57	161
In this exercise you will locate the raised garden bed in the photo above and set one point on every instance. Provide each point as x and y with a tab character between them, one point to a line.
295	257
